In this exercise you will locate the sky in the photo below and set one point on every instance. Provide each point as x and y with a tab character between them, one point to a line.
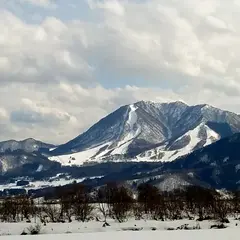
65	64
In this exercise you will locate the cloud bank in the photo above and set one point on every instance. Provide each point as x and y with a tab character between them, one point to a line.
64	71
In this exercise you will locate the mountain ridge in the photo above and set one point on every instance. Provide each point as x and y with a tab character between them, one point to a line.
216	166
161	143
28	145
134	129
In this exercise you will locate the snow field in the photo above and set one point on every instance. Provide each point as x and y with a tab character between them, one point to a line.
193	134
224	234
46	183
141	226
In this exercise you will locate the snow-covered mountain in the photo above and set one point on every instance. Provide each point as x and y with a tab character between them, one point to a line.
216	166
22	163
147	131
24	158
28	145
199	137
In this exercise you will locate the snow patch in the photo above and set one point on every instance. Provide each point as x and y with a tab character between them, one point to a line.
78	158
205	159
132	118
173	182
132	132
40	168
211	136
225	159
237	167
51	149
169	155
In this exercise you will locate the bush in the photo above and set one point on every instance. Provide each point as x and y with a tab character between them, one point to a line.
24	232
34	230
218	226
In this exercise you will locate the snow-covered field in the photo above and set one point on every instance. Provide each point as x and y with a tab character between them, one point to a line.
51	182
226	234
141	227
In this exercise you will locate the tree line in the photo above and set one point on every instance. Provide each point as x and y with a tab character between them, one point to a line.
117	201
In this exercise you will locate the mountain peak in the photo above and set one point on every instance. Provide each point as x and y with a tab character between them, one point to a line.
135	128
28	145
30	140
177	102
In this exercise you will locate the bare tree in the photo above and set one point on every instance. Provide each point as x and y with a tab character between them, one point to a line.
81	203
52	211
222	208
148	198
201	201
9	210
121	202
101	199
66	197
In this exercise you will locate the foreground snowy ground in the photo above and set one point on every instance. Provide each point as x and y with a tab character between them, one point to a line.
130	227
226	234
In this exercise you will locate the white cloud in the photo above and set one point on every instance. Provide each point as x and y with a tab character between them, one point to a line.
40	53
216	23
59	112
52	73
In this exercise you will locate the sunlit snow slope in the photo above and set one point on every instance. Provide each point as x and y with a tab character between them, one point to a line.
200	136
147	131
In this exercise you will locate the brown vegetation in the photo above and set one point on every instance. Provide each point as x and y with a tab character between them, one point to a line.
119	202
